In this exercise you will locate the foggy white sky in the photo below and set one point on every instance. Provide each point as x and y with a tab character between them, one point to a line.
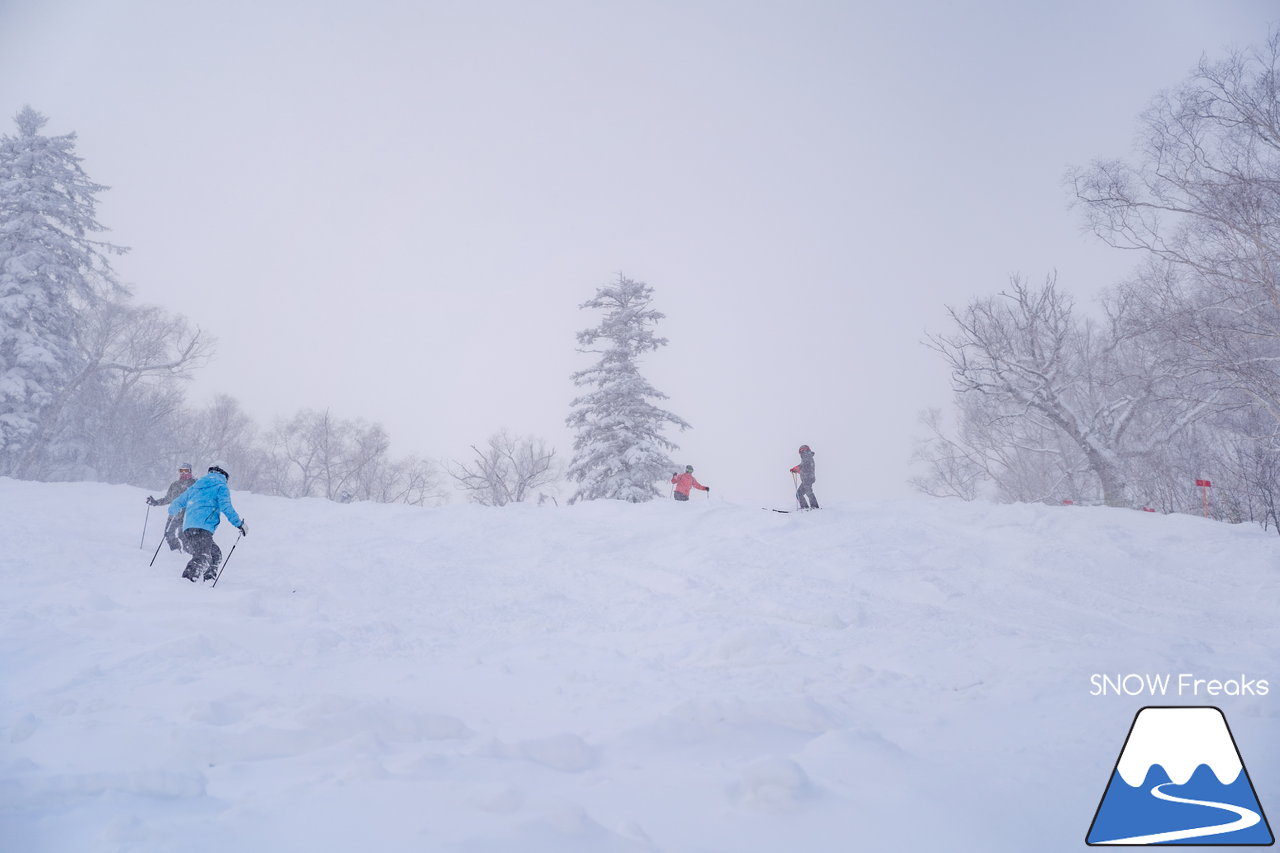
393	209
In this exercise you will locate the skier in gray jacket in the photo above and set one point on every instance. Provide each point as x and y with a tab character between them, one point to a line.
173	529
804	494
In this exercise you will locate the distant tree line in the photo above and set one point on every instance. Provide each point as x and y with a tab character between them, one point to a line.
1177	378
92	384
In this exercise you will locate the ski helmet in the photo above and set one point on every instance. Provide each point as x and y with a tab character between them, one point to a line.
185	466
688	469
804	448
218	469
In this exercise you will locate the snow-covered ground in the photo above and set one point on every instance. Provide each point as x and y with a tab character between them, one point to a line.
899	676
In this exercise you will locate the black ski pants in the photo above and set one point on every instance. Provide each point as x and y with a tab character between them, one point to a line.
205	553
805	496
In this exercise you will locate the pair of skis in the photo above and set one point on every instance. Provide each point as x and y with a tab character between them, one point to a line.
795	480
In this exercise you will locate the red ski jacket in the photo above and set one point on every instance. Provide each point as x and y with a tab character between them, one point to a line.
684	481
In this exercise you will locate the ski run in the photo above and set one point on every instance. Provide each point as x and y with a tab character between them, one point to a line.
909	675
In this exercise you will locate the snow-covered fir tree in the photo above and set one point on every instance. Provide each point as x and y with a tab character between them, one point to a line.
50	271
619	451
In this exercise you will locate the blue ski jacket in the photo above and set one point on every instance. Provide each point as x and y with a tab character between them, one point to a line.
204	502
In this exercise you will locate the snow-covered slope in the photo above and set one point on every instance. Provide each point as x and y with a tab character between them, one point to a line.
912	675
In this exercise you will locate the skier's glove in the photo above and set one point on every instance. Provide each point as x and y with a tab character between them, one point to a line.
151	501
708	488
244	528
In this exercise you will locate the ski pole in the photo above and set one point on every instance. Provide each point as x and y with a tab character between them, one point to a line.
145	521
157	553
795	481
228	560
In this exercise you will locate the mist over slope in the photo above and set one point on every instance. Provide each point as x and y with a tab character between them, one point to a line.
913	674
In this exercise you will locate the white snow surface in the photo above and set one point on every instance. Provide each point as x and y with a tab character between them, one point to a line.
1179	740
906	675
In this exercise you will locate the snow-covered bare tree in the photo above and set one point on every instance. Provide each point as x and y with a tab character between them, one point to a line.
1203	199
1102	385
317	454
508	469
411	480
620	452
1000	452
51	270
114	413
953	467
222	430
1253	462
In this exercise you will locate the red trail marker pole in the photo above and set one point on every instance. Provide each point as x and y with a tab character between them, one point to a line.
1205	484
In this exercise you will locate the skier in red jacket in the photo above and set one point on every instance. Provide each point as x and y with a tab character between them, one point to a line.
684	482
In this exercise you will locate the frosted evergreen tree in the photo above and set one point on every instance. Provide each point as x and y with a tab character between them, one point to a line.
50	271
620	452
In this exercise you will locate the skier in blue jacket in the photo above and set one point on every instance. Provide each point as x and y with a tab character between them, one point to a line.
205	502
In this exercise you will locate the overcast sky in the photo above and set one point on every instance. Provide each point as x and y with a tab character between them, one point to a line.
393	209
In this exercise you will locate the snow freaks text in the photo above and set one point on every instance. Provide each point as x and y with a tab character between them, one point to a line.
1169	684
